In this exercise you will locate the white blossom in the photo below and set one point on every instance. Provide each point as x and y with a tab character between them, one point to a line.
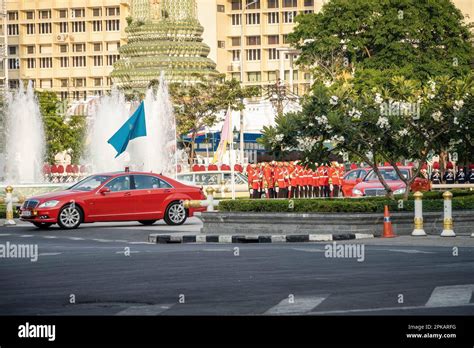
430	96
333	101
458	104
306	144
403	132
328	83
378	98
354	113
279	137
437	116
432	85
456	121
322	119
337	138
383	123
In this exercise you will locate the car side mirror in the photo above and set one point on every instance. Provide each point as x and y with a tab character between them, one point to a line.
358	180
104	190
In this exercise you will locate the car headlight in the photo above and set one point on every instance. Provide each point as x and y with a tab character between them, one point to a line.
357	192
400	191
48	204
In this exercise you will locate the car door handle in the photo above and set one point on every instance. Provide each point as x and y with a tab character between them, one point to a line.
167	190
127	194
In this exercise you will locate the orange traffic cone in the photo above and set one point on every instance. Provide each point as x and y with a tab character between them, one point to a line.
387	225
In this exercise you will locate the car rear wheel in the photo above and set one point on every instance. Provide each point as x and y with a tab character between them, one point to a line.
175	214
147	222
70	217
43	225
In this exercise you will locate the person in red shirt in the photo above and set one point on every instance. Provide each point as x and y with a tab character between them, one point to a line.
334	179
281	180
293	173
324	180
315	181
268	183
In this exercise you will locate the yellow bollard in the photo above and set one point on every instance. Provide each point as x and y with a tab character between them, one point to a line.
448	217
9	221
418	230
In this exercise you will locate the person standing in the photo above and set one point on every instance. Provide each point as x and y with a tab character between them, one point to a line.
268	183
449	177
436	175
470	175
461	176
315	181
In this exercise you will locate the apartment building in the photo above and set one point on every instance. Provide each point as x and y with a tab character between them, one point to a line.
67	46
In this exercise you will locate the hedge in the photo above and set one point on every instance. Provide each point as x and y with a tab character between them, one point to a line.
374	205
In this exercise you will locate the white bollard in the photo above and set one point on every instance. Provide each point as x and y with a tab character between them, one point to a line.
448	217
210	198
9	201
418	230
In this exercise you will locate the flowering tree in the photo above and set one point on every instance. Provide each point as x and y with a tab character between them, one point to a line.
404	120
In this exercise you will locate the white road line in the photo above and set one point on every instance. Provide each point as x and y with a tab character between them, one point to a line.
410	251
26	236
49	254
50	237
140	243
103	240
75	238
451	296
301	305
145	310
120	240
5	234
375	309
309	250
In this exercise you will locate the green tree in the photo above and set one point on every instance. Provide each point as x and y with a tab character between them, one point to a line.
62	133
198	105
376	40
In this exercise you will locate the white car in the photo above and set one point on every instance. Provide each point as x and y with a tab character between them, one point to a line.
219	180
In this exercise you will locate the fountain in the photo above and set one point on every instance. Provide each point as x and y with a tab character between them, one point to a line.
25	139
156	152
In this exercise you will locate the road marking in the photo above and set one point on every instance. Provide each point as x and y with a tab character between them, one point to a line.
140	243
377	309
451	296
309	250
130	252
50	237
145	310
49	254
75	238
301	305
120	240
26	236
5	234
411	251
103	240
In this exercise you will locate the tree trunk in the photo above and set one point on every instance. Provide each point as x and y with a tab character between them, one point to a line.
193	142
382	181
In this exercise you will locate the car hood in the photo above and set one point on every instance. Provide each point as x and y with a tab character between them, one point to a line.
394	185
58	195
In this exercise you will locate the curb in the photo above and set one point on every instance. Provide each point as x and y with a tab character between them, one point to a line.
293	238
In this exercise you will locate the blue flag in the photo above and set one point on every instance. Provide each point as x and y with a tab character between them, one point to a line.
134	127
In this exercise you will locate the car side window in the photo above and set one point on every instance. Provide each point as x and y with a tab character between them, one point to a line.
121	183
149	182
352	176
362	174
164	184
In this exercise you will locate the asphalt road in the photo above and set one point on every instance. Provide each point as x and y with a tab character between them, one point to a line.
91	266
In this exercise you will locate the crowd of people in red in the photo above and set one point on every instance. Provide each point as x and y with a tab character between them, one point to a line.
293	180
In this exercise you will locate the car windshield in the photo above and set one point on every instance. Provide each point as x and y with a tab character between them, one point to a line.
388	174
90	183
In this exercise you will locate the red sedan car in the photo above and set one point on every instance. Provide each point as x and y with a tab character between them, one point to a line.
371	186
350	180
123	196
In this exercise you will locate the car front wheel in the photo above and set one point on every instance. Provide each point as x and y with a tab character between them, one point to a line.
175	214
70	217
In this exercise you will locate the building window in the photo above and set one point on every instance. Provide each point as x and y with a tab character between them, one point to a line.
236	41
30	49
31	63
236	5
64	62
253	18
63	48
14	84
308	11
285	39
78	27
12	29
254	76
221	44
44	28
97	12
220	8
97	26
273	54
273	3
46	83
30	15
45	14
98	61
253	4
236	55
290	3
79	61
12	50
78	13
13	15
113	46
309	2
30	29
46	49
272	76
113	11
80	82
64	95
62	13
273	18
98	82
253	54
63	27
253	40
97	47
112	25
13	63
289	16
80	47
46	63
236	19
273	39
64	82
111	59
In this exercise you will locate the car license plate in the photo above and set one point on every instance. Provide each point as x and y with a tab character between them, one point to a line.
26	213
